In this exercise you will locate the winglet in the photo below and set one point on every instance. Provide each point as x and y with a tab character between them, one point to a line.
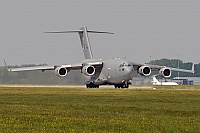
6	65
192	68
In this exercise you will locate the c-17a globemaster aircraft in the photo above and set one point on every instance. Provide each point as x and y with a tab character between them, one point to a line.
117	72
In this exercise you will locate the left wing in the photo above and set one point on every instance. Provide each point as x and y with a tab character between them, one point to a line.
145	69
157	68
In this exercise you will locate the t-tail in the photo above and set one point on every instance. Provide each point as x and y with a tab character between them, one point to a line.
85	43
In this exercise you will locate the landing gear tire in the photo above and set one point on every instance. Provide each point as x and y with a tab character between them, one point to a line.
91	85
124	85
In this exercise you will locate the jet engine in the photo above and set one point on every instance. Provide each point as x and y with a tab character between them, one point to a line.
61	71
88	70
144	70
165	72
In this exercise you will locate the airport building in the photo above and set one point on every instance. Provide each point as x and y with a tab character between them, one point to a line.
187	80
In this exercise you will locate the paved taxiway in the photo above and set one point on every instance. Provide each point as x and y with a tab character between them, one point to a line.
104	87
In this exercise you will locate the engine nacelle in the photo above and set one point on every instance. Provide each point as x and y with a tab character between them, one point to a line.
165	72
88	70
61	71
144	70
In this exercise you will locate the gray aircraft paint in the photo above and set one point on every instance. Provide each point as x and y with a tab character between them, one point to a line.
85	43
115	72
112	71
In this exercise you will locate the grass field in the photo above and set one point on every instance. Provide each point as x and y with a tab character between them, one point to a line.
27	109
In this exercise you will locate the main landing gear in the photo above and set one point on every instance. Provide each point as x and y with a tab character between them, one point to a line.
91	85
123	85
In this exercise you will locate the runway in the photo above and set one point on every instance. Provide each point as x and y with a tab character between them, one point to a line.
72	86
136	87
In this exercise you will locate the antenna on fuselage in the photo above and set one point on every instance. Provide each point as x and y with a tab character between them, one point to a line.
83	33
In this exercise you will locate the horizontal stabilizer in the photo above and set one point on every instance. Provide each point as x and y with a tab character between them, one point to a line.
79	31
85	44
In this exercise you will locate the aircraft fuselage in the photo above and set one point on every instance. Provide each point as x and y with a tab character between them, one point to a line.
116	72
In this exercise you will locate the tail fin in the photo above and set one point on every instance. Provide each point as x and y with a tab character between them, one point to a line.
85	43
155	80
83	33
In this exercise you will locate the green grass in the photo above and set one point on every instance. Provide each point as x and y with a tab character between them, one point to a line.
98	110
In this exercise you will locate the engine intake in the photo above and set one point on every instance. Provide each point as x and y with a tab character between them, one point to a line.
165	72
144	70
61	71
88	70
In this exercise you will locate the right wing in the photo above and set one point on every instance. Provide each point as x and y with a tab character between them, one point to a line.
44	68
69	67
157	67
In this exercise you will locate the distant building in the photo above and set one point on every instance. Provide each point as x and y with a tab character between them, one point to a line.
187	80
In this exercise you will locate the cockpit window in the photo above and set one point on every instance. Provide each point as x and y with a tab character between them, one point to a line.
125	64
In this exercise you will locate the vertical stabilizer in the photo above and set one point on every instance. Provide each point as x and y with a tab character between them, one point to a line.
85	43
83	33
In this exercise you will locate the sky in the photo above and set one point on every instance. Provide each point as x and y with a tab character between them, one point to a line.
144	30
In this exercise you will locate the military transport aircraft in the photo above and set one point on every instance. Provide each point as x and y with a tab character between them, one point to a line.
117	72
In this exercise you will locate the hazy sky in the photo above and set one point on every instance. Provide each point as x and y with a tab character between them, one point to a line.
144	30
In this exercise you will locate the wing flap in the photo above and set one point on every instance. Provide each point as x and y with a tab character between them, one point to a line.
72	66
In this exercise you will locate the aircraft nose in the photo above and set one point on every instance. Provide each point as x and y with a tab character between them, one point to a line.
128	73
128	69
